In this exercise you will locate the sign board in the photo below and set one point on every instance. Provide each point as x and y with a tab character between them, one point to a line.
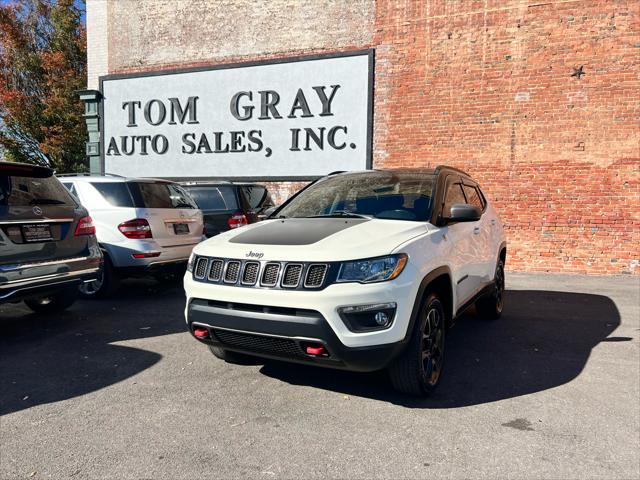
284	119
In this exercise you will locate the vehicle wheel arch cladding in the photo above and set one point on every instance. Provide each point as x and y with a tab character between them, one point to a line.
502	255
439	281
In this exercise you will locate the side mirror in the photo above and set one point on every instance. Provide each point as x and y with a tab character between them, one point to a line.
462	212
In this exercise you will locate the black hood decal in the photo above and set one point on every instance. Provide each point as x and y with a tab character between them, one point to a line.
295	231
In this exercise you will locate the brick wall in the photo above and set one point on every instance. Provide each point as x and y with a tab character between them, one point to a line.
487	86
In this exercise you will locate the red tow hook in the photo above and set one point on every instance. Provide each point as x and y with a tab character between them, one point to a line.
319	350
201	333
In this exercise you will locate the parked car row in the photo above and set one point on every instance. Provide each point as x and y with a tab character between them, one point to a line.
56	241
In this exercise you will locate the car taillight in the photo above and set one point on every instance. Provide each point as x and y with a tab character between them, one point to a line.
85	227
136	228
237	220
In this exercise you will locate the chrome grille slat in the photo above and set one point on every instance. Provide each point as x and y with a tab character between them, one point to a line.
215	270
291	276
270	275
315	275
232	271
201	268
250	273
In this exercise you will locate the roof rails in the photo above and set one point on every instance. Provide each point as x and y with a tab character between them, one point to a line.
86	174
446	167
335	173
79	174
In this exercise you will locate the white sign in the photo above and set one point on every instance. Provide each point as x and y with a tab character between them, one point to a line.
297	118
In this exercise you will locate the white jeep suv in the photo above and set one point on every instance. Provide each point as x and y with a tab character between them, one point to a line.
358	271
144	227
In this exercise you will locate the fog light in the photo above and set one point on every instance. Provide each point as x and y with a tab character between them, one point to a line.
201	333
381	319
363	318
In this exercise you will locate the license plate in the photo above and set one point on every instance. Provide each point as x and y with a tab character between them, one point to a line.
36	232
181	228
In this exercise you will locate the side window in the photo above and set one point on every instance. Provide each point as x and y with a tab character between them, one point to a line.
452	196
116	193
72	188
473	198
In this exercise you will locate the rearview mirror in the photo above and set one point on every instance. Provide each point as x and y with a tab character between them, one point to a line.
462	212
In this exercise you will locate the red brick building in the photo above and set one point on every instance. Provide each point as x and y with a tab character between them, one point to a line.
539	100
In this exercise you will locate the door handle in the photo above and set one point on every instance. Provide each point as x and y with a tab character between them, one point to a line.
476	230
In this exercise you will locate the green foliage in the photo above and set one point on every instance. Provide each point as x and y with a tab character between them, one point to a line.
42	66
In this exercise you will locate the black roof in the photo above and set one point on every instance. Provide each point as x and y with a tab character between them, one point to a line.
418	171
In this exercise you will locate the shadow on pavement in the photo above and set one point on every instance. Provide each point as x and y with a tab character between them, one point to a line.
543	340
46	359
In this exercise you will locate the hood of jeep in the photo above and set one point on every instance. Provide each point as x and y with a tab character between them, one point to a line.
313	239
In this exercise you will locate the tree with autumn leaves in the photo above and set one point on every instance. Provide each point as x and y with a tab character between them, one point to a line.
42	66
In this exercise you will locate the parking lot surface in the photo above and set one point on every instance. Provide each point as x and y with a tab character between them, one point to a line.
118	389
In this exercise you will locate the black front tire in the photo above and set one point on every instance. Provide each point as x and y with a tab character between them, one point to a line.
417	371
231	357
53	303
491	305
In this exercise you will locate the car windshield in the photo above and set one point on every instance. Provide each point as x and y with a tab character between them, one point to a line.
390	195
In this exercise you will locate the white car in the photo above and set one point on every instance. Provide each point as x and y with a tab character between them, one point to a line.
143	226
359	271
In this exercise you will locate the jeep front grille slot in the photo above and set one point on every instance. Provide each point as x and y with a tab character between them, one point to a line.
215	270
291	277
250	273
315	275
201	268
232	272
282	347
270	275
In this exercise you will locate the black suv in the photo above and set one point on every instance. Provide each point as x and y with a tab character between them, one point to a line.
227	205
47	240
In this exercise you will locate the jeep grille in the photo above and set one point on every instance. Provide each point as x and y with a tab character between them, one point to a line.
262	274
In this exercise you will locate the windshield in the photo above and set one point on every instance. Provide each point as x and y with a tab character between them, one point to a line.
391	195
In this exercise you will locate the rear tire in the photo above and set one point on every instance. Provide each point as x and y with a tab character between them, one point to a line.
105	286
490	306
417	371
231	357
53	303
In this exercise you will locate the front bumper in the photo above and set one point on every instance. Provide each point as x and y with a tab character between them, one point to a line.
283	334
300	315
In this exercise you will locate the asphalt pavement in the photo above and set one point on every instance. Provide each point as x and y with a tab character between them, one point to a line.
118	389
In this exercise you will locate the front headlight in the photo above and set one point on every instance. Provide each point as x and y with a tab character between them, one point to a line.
192	259
372	270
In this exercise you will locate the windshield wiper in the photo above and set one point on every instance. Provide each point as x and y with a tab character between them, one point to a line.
342	214
46	201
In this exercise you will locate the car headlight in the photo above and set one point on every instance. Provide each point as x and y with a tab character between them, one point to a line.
191	261
372	270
